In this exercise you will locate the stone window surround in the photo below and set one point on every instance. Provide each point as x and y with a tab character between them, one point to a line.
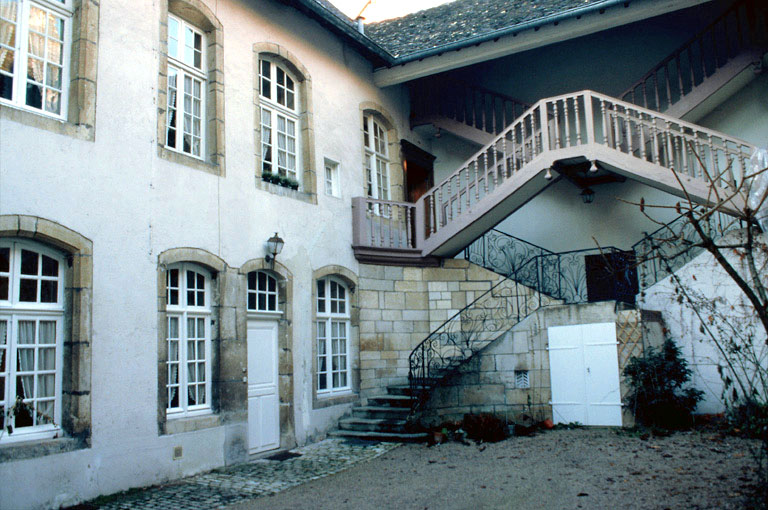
396	189
284	338
198	14
280	55
81	112
350	280
76	369
217	267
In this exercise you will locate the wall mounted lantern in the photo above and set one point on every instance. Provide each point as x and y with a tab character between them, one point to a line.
587	196
274	247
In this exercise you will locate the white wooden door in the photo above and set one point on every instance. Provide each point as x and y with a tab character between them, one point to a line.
584	372
263	400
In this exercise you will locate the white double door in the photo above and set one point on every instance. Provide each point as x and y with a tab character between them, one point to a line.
263	398
584	372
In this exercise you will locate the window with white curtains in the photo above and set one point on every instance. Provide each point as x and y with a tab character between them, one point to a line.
35	46
31	328
185	118
279	120
188	310
376	159
332	337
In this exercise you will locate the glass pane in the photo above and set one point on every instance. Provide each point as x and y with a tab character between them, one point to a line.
55	53
3	333
5	260
321	335
272	284
45	412
25	385
28	290
3	287
29	262
52	101
198	63
6	82
191	333
9	10
173	351
342	379
252	280
322	383
335	380
173	297
173	34
26	332
23	415
262	302
55	27
53	78
7	32
173	327
174	400
47	334
45	385
252	301
272	302
34	95
49	291
50	266
37	19
262	281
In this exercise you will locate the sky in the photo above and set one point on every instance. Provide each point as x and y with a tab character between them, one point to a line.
384	9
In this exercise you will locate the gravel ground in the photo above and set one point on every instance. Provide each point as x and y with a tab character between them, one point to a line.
560	469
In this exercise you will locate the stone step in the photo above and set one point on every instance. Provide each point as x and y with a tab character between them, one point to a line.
390	401
380	412
372	425
392	437
405	389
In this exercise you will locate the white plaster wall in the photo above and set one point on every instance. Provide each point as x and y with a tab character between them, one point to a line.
134	205
703	277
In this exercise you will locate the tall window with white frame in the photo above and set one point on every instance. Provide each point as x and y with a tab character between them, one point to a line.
188	311
185	115
332	337
280	143
376	159
31	329
35	46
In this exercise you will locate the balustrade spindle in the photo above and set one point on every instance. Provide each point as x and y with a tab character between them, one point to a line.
612	114
391	218
656	90
714	161
477	181
676	149
449	202
577	119
679	72
567	124
605	122
668	143
504	156
669	88
485	174
458	194
441	207
641	127
555	122
494	171
408	226
630	145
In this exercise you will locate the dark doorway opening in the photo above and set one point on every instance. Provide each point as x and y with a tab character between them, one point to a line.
611	275
418	165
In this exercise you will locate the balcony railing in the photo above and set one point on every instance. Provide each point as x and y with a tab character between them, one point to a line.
583	124
740	29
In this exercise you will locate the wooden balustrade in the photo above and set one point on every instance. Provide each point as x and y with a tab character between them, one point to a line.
472	105
740	29
579	125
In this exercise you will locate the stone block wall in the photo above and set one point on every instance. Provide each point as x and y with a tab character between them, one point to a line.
487	383
400	306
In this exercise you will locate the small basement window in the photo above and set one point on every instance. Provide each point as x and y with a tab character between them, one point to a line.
521	379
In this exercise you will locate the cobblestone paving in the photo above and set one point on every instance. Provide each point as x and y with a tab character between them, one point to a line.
225	486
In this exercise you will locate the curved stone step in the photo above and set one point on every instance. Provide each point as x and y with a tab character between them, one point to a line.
372	425
381	412
390	401
380	436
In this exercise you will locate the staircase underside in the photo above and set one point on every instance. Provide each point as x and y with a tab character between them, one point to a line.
528	182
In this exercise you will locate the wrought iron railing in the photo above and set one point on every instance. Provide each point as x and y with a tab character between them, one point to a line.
502	253
544	279
670	247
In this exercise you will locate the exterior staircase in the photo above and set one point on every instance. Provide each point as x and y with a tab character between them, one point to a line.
384	418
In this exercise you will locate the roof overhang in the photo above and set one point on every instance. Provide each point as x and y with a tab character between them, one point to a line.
537	33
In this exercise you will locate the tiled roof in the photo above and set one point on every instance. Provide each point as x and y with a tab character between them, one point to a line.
461	19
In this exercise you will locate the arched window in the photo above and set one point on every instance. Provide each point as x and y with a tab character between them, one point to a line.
280	143
332	336
262	292
188	293
31	343
376	158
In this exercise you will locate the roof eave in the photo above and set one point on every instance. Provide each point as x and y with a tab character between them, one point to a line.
525	36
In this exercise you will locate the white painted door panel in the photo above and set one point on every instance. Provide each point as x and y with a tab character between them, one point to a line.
263	400
584	374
